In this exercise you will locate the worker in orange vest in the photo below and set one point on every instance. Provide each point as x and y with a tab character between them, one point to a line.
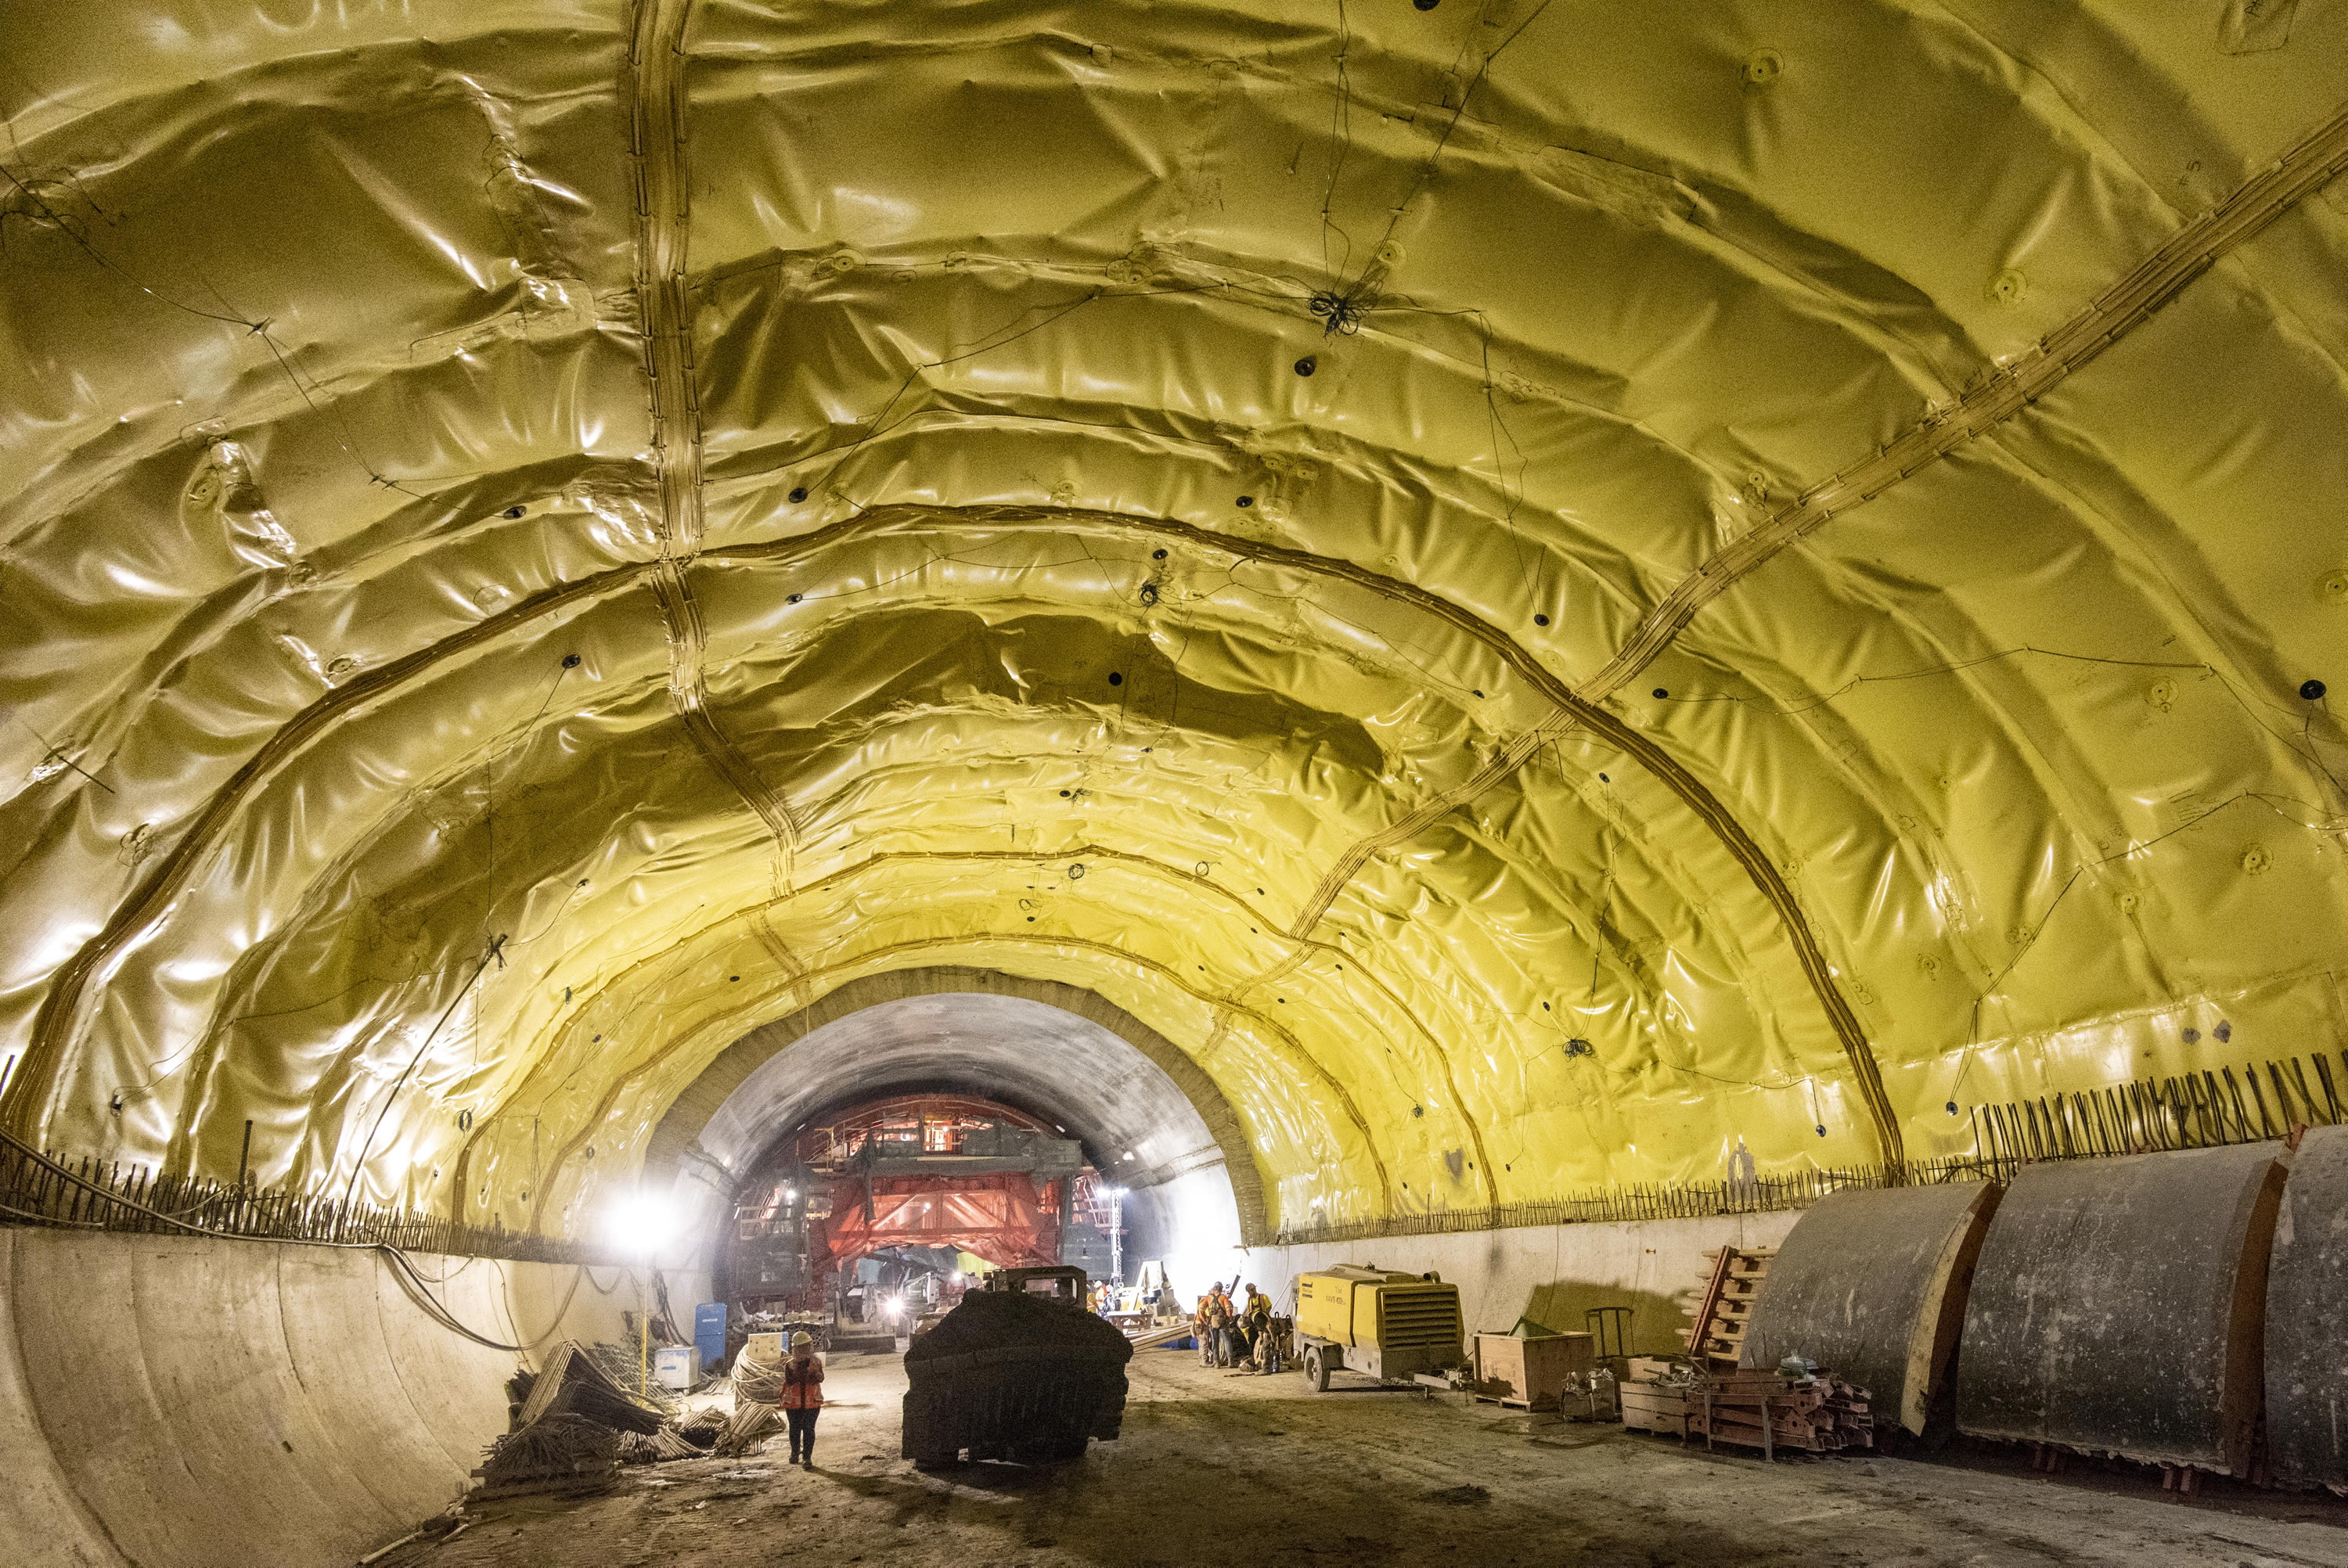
1218	1324
802	1398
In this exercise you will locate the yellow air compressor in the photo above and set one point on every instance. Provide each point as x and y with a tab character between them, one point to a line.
1390	1326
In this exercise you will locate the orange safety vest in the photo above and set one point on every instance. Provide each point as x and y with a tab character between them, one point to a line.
803	1385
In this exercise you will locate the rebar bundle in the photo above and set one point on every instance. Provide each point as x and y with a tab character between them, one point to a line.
572	1382
668	1443
560	1448
751	1423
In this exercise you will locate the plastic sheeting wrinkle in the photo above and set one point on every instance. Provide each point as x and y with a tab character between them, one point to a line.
2308	166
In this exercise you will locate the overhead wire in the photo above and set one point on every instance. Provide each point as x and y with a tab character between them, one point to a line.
497	951
228	315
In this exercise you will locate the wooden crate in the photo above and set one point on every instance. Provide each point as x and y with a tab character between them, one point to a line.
1529	1372
1649	1407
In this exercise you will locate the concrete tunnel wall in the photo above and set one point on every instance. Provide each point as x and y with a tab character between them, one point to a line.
179	1402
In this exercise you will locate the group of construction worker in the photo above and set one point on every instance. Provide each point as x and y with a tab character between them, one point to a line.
1236	1332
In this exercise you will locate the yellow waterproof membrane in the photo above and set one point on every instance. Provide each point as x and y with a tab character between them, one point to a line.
1529	592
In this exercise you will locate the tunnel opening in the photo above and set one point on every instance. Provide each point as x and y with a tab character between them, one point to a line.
1059	1139
935	1185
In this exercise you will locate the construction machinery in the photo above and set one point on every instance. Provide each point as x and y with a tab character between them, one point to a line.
1019	1371
1062	1283
1390	1326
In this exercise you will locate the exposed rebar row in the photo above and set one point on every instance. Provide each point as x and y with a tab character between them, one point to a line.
38	1188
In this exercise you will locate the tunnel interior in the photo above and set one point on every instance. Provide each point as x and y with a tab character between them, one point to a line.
1439	630
1057	1072
1485	580
1092	1076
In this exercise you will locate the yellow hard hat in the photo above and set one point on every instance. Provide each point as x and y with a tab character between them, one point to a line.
802	1340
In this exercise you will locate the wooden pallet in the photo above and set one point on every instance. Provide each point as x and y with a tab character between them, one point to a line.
1533	1407
1716	1332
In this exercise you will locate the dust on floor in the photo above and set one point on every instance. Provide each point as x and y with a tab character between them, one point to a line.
1218	1468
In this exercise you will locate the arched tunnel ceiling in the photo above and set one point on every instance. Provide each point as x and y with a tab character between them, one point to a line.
1146	1110
1080	1076
540	538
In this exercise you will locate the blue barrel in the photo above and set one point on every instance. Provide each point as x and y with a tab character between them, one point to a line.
709	1332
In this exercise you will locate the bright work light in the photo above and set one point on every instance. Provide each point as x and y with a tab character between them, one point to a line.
640	1222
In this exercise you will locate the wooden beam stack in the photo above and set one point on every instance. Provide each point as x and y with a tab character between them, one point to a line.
1769	1412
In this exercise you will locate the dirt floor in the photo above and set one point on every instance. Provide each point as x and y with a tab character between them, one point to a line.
1216	1467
